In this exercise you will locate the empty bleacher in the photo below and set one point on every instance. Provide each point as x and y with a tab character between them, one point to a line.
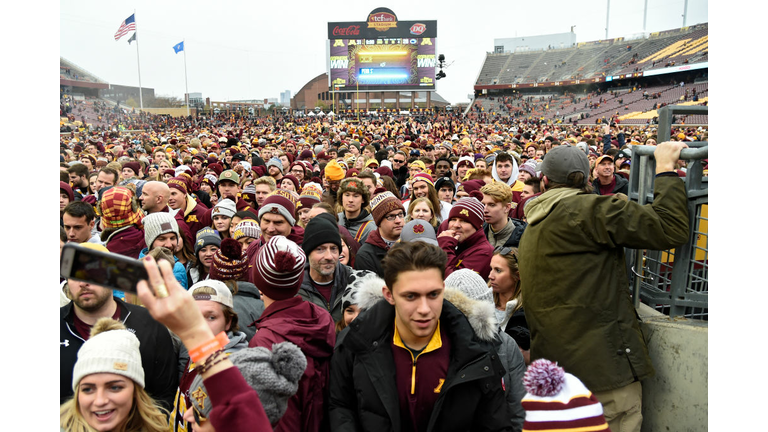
600	58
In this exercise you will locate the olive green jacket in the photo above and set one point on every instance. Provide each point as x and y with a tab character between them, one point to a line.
574	278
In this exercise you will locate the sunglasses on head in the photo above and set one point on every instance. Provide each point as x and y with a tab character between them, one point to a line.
505	250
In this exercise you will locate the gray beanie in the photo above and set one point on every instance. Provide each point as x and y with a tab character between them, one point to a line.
225	207
275	162
471	284
156	224
206	236
273	374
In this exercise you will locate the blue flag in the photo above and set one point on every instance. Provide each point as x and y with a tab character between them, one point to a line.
178	47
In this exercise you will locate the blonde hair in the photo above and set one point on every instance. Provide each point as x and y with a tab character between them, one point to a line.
267	180
500	192
412	207
145	414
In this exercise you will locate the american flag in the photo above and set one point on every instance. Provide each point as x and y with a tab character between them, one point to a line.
126	26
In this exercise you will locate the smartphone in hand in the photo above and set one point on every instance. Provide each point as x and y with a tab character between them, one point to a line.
110	270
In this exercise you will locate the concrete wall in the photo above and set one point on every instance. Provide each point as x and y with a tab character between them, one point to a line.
675	399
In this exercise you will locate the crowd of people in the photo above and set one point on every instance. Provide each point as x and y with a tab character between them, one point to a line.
398	274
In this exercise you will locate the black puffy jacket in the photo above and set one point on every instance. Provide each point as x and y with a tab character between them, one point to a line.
363	392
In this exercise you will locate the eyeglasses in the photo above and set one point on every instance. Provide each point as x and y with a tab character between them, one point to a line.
394	217
399	160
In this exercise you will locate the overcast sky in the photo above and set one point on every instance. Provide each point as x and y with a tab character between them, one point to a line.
257	49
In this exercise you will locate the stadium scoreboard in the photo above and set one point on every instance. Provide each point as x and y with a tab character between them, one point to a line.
382	54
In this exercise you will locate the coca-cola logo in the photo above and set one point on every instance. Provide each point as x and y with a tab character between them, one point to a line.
353	30
418	28
381	17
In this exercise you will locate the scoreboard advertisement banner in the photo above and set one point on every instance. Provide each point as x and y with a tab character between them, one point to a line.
382	54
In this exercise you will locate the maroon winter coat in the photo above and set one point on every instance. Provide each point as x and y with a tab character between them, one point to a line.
128	241
474	253
193	215
236	405
311	328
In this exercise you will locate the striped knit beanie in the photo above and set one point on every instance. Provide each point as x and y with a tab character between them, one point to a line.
311	194
279	268
383	203
246	228
179	184
423	177
558	401
469	209
230	262
280	202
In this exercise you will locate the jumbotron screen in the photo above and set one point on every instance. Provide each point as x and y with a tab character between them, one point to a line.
383	64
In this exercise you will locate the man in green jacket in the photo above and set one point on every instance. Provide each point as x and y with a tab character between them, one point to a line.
574	277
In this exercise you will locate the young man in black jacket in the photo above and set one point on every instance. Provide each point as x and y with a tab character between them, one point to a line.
414	362
91	302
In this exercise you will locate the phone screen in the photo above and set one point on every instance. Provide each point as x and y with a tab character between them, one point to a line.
109	270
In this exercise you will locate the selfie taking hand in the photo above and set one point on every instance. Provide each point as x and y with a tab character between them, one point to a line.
177	310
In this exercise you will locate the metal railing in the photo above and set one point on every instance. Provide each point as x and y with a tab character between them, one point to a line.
676	281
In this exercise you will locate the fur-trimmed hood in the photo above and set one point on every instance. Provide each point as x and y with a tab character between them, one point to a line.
479	313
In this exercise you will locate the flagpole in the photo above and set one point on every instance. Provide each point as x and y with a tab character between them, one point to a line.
186	87
138	63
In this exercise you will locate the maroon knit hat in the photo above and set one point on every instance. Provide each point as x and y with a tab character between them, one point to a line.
385	171
178	183
279	268
280	202
170	172
294	180
133	166
230	262
216	167
471	185
68	189
469	209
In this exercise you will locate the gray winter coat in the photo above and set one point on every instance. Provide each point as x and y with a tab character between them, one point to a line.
483	319
340	281
360	226
248	306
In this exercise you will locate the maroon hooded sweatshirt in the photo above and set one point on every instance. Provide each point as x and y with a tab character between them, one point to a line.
128	241
311	328
474	253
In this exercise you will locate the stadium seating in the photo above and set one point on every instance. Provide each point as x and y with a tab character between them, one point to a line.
599	58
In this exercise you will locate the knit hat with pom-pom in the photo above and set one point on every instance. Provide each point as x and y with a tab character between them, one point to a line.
557	400
110	349
274	374
230	262
279	268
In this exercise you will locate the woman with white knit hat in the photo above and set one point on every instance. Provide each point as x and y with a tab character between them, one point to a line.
108	381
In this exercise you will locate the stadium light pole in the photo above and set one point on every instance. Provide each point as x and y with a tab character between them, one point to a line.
685	12
607	17
645	15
